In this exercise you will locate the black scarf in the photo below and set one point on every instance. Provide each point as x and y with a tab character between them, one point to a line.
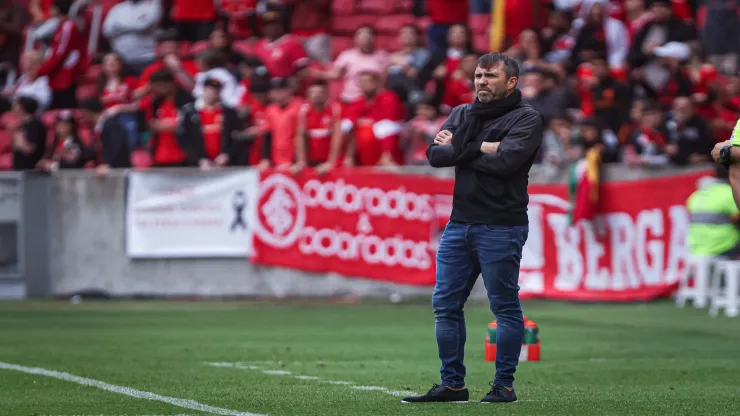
475	116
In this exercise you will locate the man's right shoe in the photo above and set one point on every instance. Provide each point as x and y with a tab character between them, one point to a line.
500	394
440	394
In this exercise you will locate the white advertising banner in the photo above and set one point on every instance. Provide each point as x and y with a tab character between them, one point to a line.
179	215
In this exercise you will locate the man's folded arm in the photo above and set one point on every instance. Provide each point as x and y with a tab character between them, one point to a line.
515	149
442	156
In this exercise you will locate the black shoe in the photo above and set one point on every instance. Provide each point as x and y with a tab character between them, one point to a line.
439	394
500	394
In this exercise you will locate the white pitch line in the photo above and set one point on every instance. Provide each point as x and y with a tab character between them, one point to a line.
127	391
349	384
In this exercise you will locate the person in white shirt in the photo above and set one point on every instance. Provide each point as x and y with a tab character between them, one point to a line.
129	27
28	85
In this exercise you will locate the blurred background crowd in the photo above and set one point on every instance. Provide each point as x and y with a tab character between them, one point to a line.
325	83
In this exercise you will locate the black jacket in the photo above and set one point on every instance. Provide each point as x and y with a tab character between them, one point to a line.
676	31
190	132
492	189
114	144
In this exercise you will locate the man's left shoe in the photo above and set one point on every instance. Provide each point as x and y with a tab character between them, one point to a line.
500	394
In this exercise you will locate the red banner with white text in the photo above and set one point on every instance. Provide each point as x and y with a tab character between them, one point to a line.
386	227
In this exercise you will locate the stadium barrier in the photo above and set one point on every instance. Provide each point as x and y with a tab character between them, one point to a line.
172	233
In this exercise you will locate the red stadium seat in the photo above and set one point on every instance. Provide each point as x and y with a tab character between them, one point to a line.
342	7
92	74
85	92
479	23
347	25
403	6
482	42
387	42
340	44
394	23
374	6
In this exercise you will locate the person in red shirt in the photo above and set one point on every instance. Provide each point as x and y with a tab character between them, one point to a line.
280	126
184	71
65	62
161	110
210	126
115	89
377	120
252	106
458	88
282	53
444	14
194	19
242	16
319	138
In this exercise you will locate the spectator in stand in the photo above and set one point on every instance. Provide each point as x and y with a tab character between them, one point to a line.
557	41
542	96
595	23
558	145
589	134
528	50
220	41
670	79
193	19
210	126
29	84
444	61
249	147
352	62
689	137
161	111
405	64
610	98
65	63
319	137
241	16
419	132
29	140
116	92
444	14
636	16
719	23
280	125
167	52
250	68
281	52
111	136
13	20
311	20
212	64
458	88
663	28
646	145
130	28
67	149
377	121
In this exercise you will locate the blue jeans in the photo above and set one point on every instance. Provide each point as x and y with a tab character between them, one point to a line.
465	251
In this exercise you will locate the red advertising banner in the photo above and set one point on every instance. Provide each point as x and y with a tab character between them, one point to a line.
387	227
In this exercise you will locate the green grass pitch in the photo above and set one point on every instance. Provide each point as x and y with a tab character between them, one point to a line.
637	359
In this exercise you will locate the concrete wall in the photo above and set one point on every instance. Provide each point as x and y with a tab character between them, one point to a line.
87	248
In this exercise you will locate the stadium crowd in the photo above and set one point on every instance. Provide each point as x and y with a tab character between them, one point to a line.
322	83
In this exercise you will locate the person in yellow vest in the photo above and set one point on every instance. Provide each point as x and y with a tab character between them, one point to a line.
727	153
713	229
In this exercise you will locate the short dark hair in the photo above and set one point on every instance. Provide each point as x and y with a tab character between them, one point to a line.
28	104
63	6
490	60
162	76
213	59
